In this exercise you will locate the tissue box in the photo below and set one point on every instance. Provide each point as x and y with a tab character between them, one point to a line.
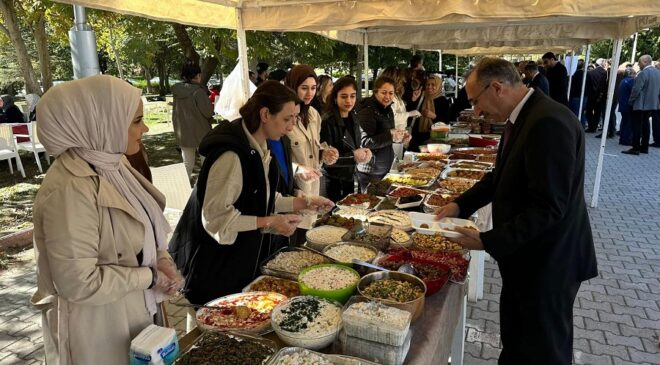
155	345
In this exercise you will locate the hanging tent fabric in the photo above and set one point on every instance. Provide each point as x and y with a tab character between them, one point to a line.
462	25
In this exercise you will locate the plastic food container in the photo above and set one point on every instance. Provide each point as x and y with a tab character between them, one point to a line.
289	274
463	173
374	351
426	224
433	285
375	235
415	307
312	341
368	323
206	337
340	295
320	237
265	301
373	252
438	148
291	287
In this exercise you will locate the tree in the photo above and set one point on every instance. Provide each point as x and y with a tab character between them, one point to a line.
11	27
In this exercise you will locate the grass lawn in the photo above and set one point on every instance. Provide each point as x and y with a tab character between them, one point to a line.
17	194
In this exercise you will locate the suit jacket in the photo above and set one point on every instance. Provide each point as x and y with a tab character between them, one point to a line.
645	94
541	235
558	83
540	82
598	85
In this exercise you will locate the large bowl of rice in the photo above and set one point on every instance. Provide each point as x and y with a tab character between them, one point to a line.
330	281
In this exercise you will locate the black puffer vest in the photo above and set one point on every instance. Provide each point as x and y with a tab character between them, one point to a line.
213	270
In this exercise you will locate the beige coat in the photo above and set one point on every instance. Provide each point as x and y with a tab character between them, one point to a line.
90	288
305	151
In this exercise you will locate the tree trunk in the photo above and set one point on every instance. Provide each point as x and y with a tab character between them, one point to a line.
41	39
162	76
207	65
147	76
186	43
10	26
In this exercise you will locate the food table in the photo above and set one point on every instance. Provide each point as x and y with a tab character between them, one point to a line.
437	331
436	336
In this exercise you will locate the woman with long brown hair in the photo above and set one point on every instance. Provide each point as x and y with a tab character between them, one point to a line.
220	239
306	152
435	108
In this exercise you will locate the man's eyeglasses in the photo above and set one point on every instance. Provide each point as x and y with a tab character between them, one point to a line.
474	101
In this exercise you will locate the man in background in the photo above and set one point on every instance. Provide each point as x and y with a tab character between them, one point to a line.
645	100
595	107
262	72
536	80
557	77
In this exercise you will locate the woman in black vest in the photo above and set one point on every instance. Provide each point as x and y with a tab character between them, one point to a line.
219	241
339	129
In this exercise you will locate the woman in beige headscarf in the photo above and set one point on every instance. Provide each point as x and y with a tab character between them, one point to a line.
99	231
435	108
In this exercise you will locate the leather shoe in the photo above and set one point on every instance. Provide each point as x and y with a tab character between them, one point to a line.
631	152
644	151
655	144
589	130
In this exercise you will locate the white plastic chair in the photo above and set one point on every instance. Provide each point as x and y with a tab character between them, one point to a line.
33	144
9	150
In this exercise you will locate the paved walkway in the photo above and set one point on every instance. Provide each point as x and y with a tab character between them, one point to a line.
617	318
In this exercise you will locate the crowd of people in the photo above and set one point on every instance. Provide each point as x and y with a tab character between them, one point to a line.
301	143
637	105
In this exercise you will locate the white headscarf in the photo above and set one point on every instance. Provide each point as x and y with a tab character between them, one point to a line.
91	117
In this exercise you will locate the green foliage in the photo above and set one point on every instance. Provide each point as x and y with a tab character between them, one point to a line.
648	42
11	86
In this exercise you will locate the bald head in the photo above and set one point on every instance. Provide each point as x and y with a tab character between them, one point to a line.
645	60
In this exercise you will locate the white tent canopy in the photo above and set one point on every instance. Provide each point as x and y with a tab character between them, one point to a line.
323	15
454	26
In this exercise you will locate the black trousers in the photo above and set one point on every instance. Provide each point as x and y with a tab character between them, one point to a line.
594	109
655	117
641	129
337	189
536	325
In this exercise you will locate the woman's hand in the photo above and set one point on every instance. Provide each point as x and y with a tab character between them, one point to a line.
330	155
308	174
169	275
284	224
362	155
398	135
164	284
320	204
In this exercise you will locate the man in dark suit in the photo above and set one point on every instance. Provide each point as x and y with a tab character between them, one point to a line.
557	78
536	80
644	100
541	236
597	94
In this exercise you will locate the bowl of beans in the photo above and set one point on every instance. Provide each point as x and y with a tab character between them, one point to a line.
396	289
330	281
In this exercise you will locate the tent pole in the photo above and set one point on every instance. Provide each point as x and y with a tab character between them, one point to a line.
242	53
456	76
616	55
440	61
365	45
584	81
570	74
634	50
